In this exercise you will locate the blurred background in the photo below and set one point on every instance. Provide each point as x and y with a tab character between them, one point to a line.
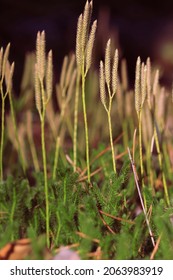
137	27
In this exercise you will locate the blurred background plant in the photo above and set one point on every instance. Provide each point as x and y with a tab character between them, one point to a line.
139	27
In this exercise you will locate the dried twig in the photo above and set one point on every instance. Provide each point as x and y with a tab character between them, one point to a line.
140	196
155	248
117	218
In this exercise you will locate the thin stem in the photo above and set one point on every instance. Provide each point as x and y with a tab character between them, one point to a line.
45	174
111	140
140	147
149	169
56	157
2	137
76	122
141	154
86	123
161	166
167	159
3	96
65	190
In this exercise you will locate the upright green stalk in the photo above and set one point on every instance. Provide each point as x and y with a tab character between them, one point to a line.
76	121
161	165
140	95
45	173
56	157
140	146
84	47
85	123
111	142
109	77
43	70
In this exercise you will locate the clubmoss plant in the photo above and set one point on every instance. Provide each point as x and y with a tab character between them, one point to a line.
108	219
17	141
64	92
123	95
152	96
3	62
43	92
84	48
17	135
140	95
6	74
66	85
109	77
